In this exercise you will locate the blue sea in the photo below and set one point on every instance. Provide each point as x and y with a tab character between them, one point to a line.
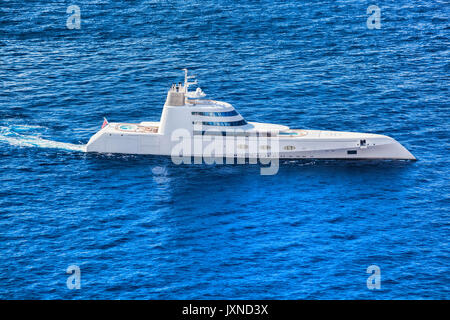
141	227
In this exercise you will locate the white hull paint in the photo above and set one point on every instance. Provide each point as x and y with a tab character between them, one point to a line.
343	145
156	138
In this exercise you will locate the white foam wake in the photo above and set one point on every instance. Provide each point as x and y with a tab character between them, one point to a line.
29	136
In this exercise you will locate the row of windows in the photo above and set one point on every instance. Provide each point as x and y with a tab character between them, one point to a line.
232	133
221	124
216	114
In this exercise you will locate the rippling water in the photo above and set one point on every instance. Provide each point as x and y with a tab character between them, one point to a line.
142	227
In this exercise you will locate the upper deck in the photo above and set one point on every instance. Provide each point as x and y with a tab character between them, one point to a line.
207	103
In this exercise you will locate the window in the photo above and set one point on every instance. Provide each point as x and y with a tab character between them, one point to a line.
221	124
215	114
287	133
210	133
289	148
223	133
352	152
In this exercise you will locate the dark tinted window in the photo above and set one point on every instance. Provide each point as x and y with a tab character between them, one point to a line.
221	124
216	114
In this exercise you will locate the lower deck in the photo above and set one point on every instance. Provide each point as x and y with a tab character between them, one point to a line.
136	127
146	138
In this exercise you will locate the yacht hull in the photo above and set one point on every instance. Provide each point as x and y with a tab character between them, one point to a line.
300	144
193	127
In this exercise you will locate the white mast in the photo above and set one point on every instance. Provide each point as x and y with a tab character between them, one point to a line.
186	80
198	93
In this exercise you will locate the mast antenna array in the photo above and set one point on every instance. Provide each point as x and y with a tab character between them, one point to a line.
194	95
186	80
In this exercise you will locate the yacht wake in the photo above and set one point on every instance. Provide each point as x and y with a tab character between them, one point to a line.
30	136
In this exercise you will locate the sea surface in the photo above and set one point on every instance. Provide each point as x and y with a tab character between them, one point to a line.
141	227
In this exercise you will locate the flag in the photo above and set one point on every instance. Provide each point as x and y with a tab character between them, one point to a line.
105	123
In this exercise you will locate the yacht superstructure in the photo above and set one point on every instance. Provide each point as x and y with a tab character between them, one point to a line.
193	126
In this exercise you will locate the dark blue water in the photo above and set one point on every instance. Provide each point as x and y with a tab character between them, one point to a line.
142	227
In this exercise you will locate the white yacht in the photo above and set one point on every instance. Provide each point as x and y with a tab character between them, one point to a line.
215	128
